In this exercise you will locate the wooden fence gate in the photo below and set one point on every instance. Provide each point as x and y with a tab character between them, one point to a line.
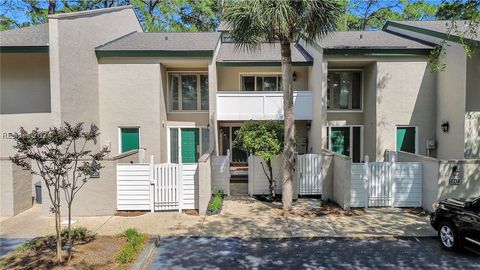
383	184
167	187
309	174
380	184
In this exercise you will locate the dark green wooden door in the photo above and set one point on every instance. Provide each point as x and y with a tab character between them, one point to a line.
406	139
130	139
340	140
190	142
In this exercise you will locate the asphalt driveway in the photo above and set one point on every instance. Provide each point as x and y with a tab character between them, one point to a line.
234	253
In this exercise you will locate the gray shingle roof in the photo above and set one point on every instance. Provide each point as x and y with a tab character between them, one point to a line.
368	40
139	41
443	27
27	36
265	53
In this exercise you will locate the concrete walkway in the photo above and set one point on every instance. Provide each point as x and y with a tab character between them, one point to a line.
242	217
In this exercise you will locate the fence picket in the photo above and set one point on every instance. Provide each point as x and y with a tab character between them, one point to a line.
384	187
309	171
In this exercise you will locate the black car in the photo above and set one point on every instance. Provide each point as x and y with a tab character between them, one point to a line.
458	223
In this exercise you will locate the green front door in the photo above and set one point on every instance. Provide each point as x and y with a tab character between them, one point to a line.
190	142
130	139
340	140
406	139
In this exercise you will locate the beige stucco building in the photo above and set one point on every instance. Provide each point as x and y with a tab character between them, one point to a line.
179	95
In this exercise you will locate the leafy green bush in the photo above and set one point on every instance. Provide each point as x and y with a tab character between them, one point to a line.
79	234
215	205
130	250
33	244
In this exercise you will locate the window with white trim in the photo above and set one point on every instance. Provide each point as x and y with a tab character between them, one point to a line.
270	82
188	92
344	90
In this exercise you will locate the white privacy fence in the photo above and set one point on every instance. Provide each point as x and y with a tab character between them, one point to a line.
190	186
308	175
258	181
133	187
380	184
157	187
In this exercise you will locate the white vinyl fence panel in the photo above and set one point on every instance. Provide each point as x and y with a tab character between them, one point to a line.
407	184
309	172
190	186
258	181
357	186
221	174
133	187
396	184
167	188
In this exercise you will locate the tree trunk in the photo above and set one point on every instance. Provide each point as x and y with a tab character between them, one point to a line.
288	150
51	6
58	228
347	9
70	244
271	181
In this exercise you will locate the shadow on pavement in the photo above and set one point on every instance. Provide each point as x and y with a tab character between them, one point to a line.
234	253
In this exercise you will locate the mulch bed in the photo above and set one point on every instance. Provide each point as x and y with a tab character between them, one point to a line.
191	212
97	254
129	213
327	208
416	211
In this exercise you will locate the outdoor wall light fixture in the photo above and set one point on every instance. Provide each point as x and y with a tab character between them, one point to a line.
309	126
445	126
294	76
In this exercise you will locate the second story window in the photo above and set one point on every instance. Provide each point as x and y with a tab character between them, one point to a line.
188	92
261	82
344	90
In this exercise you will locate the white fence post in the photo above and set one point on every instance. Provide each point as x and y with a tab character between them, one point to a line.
141	155
250	174
366	177
152	183
392	179
180	186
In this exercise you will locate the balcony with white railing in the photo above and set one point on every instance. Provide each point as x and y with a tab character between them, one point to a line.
246	105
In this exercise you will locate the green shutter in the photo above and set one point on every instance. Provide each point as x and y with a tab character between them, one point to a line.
406	139
130	139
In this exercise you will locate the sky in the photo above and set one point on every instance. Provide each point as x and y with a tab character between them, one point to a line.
17	13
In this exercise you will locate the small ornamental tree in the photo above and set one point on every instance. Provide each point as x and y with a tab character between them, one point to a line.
60	157
264	139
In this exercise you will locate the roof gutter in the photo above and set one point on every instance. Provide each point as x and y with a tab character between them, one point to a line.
152	53
377	52
261	64
23	49
431	33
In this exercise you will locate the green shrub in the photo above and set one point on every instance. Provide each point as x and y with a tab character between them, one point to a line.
130	250
79	234
33	244
215	205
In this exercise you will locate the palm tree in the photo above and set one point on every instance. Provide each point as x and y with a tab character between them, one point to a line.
252	22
